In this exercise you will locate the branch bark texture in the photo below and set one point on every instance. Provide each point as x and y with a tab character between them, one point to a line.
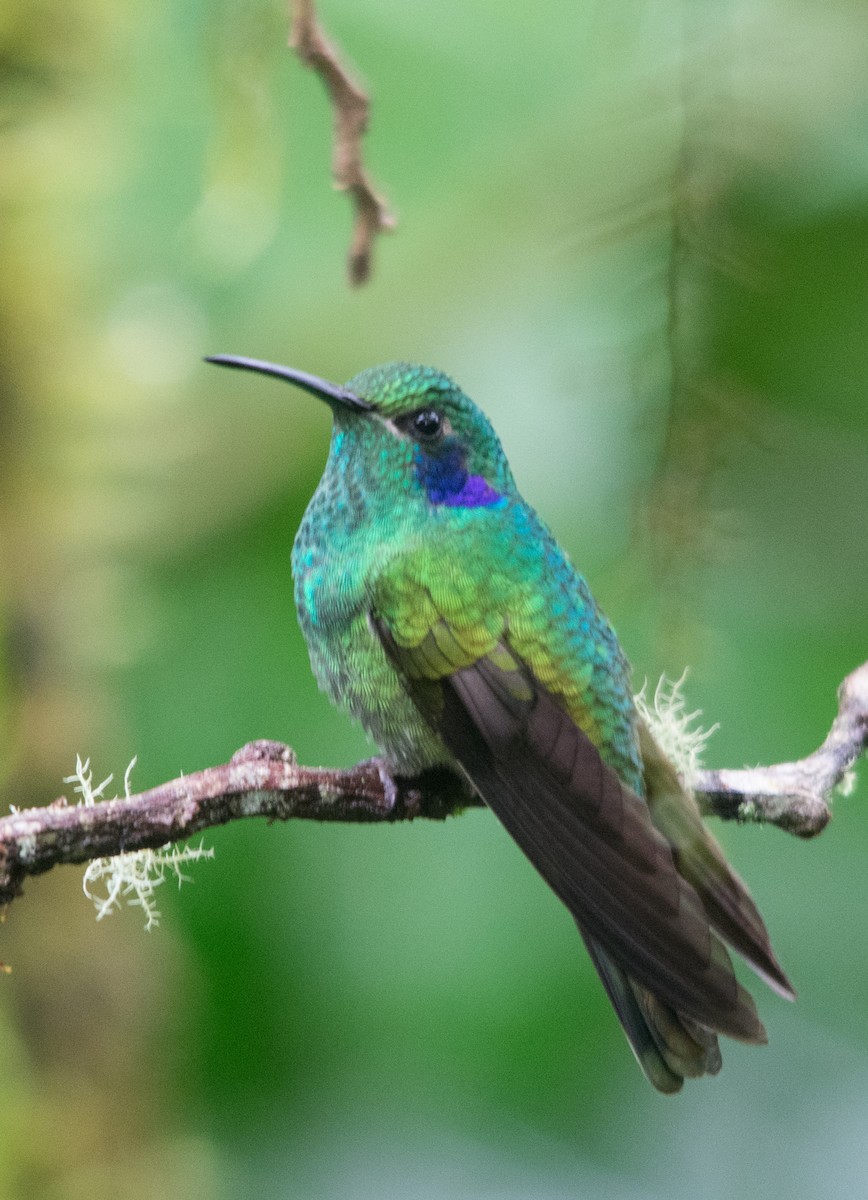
263	779
795	795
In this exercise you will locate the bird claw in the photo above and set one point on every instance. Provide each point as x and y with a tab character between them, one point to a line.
387	779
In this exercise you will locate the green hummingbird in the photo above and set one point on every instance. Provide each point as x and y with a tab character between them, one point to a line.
441	613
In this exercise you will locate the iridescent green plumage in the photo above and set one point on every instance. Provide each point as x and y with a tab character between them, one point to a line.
442	614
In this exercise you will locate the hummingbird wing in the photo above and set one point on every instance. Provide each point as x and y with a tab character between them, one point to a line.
700	860
589	836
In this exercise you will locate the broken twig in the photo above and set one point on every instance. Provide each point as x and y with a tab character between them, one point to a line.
351	107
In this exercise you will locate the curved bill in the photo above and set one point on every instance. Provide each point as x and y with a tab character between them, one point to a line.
310	383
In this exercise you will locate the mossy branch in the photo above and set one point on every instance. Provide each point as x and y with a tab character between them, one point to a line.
263	779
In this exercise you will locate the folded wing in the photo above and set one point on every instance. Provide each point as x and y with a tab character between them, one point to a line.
590	837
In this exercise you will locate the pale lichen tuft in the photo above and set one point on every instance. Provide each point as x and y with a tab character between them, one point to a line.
131	877
674	729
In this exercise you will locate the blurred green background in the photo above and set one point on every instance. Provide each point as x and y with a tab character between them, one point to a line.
637	233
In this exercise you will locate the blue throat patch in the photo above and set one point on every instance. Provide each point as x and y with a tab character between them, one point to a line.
446	480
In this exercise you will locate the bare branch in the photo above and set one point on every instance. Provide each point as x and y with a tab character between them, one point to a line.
795	796
351	107
264	780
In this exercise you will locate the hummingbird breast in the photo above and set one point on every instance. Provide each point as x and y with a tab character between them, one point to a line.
335	559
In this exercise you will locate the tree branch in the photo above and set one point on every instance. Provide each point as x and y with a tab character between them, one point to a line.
794	796
264	780
351	107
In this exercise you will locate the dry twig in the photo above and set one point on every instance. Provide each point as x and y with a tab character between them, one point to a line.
264	780
351	106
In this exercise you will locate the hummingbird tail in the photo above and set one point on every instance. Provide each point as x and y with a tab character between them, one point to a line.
669	1047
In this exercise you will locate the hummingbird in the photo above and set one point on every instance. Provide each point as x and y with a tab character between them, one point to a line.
441	613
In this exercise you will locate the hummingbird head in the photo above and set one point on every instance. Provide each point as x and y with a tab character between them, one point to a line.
412	423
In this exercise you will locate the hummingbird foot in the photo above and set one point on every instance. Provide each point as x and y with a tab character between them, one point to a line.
391	788
436	793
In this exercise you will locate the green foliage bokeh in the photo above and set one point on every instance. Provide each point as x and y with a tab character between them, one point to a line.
636	234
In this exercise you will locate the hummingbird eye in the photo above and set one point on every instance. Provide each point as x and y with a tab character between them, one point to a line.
427	423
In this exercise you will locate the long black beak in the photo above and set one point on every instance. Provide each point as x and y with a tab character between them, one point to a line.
310	383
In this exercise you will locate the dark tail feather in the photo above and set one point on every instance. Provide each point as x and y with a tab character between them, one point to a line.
668	1047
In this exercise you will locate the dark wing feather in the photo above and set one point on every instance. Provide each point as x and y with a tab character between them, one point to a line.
589	836
700	860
